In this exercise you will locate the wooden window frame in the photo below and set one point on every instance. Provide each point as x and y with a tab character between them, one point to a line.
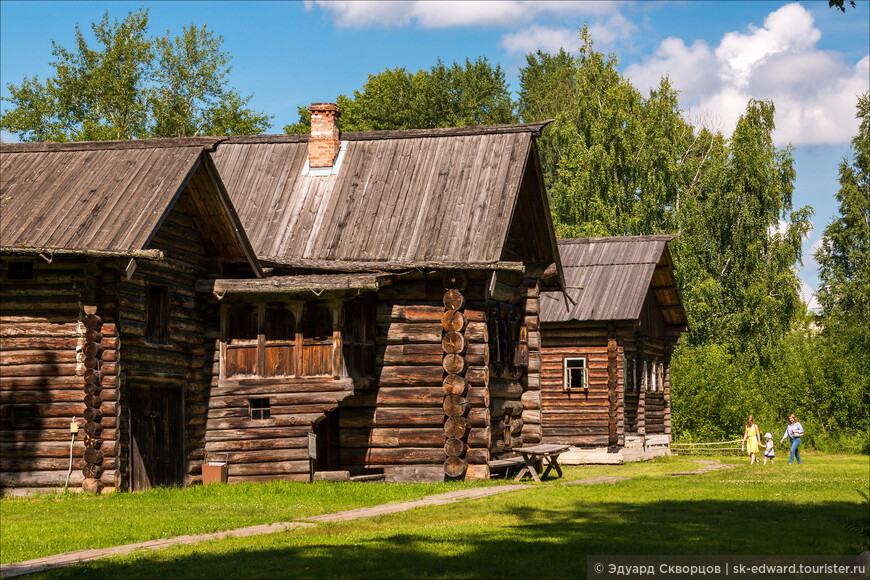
566	375
298	308
260	408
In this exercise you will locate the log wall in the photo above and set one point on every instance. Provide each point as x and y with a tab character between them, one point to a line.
400	422
580	417
53	367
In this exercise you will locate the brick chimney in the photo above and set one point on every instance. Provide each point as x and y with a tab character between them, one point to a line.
324	142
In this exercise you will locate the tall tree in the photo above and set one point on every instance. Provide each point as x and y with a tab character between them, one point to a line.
614	161
132	86
844	256
475	93
740	239
191	96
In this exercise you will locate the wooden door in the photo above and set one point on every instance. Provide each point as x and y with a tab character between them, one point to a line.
157	436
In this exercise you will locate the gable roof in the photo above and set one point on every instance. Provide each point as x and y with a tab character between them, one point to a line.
111	196
399	197
608	279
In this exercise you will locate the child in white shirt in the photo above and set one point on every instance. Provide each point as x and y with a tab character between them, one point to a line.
768	449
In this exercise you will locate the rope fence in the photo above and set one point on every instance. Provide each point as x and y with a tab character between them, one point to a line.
714	448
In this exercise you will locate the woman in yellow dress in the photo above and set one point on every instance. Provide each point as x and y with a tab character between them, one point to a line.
751	440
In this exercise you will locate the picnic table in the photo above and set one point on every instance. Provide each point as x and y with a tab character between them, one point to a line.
548	453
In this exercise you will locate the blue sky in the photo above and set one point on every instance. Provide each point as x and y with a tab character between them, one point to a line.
810	59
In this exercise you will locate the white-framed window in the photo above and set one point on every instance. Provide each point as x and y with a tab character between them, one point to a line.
576	374
660	378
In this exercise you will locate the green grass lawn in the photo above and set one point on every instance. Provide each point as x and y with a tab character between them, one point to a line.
545	531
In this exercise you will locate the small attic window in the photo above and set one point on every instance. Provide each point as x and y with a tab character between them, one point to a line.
20	271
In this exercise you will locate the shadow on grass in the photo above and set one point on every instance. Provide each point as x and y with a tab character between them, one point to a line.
546	544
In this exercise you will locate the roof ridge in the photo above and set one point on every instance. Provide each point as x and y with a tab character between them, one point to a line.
398	134
624	239
204	142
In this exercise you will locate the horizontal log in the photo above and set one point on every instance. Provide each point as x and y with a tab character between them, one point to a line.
476	332
283	421
477	455
391	417
273	468
398	397
477	354
19	449
409	354
530	416
244	434
477	473
478	397
276	399
215	450
410	376
392	456
40	478
265	455
477	376
36	435
399	333
505	389
392	437
298	476
278	413
408	312
501	407
48	464
478	417
479	437
29	343
531	400
49	396
530	306
531	381
286	385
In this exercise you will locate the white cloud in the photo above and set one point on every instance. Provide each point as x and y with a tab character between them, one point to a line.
605	33
814	91
446	13
540	37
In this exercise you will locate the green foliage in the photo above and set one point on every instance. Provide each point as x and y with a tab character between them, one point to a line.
734	260
443	96
613	161
132	86
808	373
844	257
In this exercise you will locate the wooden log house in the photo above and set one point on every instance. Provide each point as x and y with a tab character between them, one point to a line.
101	246
397	318
430	245
606	349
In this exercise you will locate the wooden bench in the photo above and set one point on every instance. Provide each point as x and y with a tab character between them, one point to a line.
547	454
506	464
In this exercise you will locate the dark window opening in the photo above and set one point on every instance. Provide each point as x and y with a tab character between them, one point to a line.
242	325
280	340
157	315
358	338
317	322
20	271
23	416
259	409
575	374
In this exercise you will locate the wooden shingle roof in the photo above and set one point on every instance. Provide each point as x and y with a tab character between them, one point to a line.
608	279
400	197
111	196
